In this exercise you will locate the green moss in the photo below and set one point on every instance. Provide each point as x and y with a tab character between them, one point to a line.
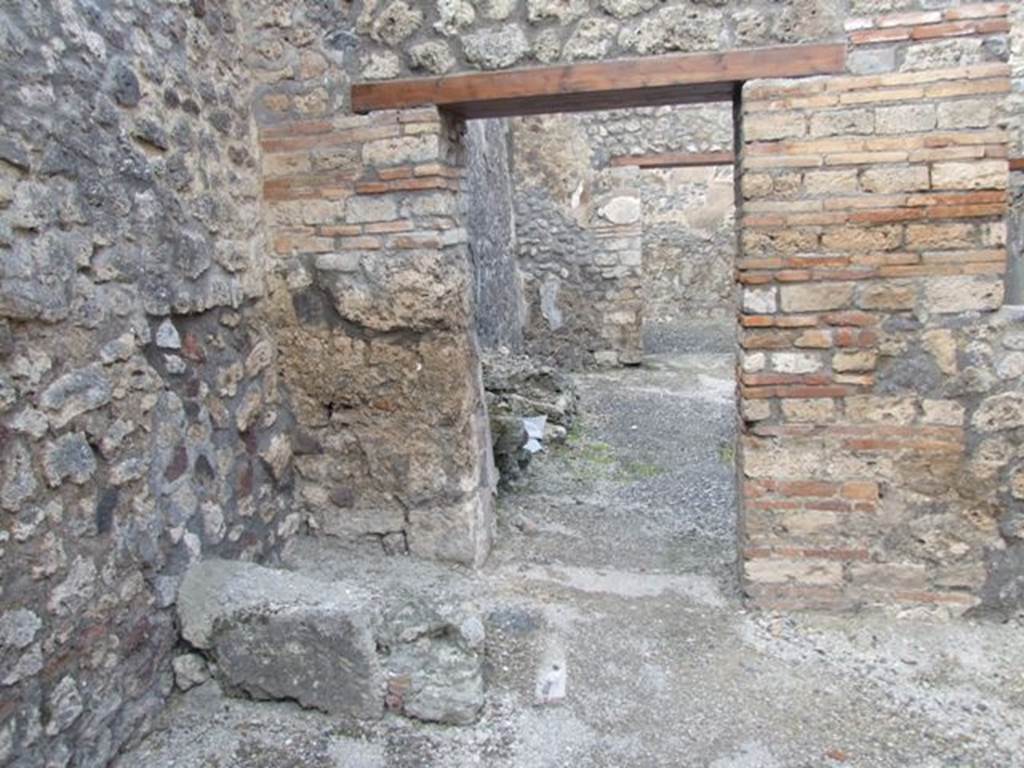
727	454
639	470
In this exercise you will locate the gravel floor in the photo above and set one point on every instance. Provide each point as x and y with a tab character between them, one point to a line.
616	561
646	481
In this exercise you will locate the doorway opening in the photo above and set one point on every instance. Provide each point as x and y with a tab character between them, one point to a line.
603	277
559	284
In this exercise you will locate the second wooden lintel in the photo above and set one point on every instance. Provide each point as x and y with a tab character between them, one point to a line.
676	159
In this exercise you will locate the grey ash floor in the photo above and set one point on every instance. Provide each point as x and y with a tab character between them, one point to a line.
646	481
617	562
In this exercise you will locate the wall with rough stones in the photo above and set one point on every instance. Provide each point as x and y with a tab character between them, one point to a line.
498	307
880	380
158	313
370	297
401	38
689	244
372	312
585	303
142	422
579	247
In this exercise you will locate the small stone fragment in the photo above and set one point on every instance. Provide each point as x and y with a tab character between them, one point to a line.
65	706
69	457
75	393
167	336
18	628
434	57
190	670
278	455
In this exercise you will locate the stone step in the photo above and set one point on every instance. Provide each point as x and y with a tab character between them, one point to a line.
333	645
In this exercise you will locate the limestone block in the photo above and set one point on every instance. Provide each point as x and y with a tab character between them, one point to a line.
854	360
962	294
880	409
816	410
831	182
495	48
402	149
890	294
905	118
280	635
769	126
862	238
621	210
804	572
979	174
837	122
458	531
759	300
757	410
970	113
814	297
795	362
889	179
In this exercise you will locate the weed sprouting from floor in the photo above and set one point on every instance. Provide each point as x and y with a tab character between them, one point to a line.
640	470
590	459
727	454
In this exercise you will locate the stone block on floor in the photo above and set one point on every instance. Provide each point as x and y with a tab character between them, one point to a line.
278	635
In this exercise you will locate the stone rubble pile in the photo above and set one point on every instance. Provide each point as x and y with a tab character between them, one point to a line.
522	396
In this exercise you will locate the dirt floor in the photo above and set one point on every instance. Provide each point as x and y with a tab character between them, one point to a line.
614	576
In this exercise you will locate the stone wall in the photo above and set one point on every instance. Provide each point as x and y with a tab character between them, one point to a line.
402	37
689	244
498	307
585	304
162	357
880	383
579	246
142	424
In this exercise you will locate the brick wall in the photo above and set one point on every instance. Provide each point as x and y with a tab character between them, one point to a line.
873	257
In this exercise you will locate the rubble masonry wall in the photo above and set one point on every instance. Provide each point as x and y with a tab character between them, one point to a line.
588	302
142	421
171	334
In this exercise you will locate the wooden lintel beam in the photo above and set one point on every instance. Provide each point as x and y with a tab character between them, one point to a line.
600	85
676	159
588	102
1017	164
